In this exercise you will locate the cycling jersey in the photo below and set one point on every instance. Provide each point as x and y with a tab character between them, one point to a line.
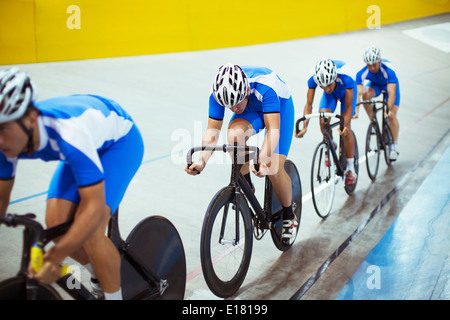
268	94
344	81
88	134
378	81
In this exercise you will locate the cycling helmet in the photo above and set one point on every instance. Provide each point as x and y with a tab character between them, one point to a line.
325	72
372	55
16	94
230	85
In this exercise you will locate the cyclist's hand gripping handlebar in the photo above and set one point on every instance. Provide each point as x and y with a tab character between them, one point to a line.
37	251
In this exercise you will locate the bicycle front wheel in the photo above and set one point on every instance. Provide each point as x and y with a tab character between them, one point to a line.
323	180
226	243
372	151
156	245
15	289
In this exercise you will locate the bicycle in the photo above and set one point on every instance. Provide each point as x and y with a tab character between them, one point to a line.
377	139
226	238
327	164
153	261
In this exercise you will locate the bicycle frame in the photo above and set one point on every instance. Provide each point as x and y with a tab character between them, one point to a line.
385	108
34	233
327	126
238	182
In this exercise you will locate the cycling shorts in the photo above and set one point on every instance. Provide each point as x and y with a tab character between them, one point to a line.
329	101
120	163
379	88
256	119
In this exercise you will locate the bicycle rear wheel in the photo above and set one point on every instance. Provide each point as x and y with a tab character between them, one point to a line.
15	289
323	180
388	140
372	151
351	188
156	243
277	228
225	256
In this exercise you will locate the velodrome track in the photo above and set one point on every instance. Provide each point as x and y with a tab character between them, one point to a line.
168	97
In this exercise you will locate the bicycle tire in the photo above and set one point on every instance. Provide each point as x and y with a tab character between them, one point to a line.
350	189
388	140
323	180
15	289
215	257
277	228
157	244
373	148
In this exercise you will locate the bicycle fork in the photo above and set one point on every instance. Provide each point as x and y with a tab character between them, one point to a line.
235	206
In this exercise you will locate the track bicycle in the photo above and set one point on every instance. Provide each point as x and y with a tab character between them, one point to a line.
226	237
153	263
328	167
377	139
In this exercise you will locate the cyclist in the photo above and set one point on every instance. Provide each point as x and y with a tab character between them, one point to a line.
258	99
334	77
381	76
99	149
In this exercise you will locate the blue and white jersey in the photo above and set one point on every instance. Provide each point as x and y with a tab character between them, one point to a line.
268	93
76	129
344	79
381	78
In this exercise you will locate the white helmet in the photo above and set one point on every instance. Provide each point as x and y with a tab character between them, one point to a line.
325	72
230	85
16	94
372	55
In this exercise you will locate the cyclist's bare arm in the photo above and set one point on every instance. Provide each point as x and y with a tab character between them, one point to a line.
5	194
391	90
267	159
348	111
210	138
91	215
272	123
307	110
358	99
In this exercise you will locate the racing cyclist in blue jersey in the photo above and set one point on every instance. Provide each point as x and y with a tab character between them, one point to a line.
99	149
379	75
258	99
334	77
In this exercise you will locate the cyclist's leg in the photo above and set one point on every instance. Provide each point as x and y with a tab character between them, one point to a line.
241	128
327	104
349	139
103	254
370	91
281	181
62	203
393	120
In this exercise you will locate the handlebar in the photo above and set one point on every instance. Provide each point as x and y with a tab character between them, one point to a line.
37	231
372	102
227	148
319	115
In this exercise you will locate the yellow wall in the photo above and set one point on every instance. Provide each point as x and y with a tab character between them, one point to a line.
43	30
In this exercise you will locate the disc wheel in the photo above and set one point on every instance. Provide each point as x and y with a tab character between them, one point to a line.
157	245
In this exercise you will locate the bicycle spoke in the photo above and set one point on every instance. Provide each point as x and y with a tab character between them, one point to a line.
227	254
